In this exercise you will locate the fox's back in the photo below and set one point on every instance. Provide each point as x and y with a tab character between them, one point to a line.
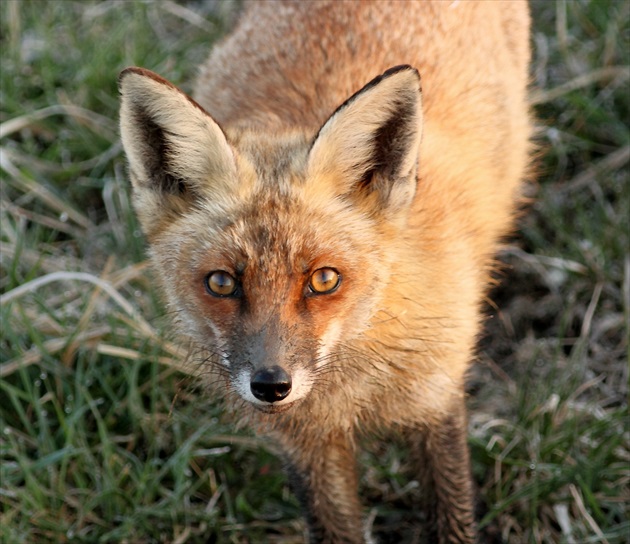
288	65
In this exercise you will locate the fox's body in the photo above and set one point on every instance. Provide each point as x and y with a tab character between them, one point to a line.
329	262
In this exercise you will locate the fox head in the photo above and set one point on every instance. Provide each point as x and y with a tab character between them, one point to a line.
273	250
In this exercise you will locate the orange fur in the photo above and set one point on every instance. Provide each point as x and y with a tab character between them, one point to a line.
405	193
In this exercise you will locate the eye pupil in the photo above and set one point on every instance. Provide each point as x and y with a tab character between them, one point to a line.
324	280
220	283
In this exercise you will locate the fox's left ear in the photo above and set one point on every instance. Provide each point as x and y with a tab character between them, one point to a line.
369	146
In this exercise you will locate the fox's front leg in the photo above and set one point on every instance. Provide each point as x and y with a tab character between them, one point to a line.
323	475
443	465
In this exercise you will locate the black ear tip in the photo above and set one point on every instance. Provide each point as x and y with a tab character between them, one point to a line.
389	73
126	71
121	76
400	68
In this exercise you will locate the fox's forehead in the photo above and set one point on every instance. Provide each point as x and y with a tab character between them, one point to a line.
278	218
277	163
273	235
276	232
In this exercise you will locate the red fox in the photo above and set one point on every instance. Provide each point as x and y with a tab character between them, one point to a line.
323	227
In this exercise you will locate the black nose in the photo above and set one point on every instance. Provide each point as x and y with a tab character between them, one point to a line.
271	384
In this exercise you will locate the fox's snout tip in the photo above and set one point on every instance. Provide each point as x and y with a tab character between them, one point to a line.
271	384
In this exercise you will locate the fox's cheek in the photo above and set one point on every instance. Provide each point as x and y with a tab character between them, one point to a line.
219	344
217	317
327	341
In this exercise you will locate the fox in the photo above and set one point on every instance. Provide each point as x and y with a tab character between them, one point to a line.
323	217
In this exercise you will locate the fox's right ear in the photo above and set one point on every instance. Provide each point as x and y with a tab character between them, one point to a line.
174	148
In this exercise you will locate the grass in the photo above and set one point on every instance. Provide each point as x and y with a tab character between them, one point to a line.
102	439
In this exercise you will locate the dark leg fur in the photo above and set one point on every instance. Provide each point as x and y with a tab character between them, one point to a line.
324	478
444	468
323	475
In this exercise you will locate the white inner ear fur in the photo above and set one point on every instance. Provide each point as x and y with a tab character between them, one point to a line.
198	149
345	142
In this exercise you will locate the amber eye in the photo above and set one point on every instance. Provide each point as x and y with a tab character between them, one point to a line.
324	281
221	284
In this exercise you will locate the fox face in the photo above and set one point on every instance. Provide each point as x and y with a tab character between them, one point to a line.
272	252
276	298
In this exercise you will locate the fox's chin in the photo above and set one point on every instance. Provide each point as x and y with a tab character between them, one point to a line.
274	408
